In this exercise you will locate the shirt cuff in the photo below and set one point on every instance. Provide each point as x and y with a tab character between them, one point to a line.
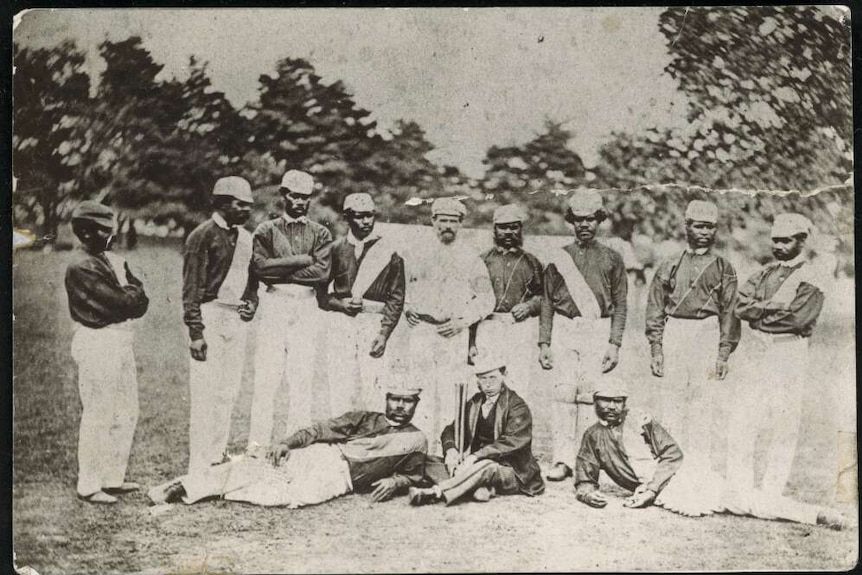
724	352
655	349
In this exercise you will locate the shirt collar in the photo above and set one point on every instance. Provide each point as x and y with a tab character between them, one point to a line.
220	221
354	241
393	423
586	244
514	250
488	403
299	220
697	251
794	262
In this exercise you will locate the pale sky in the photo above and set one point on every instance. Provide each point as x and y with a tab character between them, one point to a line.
470	77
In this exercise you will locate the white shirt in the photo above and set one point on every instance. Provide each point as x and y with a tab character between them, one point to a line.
449	281
359	245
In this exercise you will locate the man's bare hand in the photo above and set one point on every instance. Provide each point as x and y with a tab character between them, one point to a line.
346	306
452	460
595	499
642	497
546	359
611	358
657	365
247	311
378	346
412	317
721	369
278	454
451	328
521	311
198	349
465	464
384	489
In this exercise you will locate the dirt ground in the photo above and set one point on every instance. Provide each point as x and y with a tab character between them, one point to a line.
56	533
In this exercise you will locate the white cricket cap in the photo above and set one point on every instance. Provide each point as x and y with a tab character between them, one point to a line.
358	202
586	202
298	182
234	187
509	214
701	211
788	225
448	207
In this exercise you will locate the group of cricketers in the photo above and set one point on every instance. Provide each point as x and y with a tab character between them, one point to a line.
468	316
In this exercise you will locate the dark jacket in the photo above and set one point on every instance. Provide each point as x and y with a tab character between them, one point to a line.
96	298
513	438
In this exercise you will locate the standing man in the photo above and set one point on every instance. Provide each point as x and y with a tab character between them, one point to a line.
290	256
692	330
516	277
495	456
586	284
447	291
103	297
781	303
365	304
215	273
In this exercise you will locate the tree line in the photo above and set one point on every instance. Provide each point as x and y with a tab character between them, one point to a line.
769	107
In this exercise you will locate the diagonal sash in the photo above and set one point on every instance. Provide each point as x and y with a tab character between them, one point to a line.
583	295
377	257
233	286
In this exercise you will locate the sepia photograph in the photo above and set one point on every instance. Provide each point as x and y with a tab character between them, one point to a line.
418	290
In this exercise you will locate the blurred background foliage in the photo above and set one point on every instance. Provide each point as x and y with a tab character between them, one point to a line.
769	108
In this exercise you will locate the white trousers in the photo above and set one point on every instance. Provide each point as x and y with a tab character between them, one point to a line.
351	372
517	342
689	388
108	386
437	364
310	475
578	348
214	384
286	340
696	490
768	398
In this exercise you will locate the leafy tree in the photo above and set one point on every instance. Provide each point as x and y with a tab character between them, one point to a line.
525	174
770	102
302	123
50	94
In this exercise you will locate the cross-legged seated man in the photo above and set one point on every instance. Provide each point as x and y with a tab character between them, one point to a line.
495	455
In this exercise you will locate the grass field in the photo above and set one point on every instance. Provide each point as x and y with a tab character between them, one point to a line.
56	533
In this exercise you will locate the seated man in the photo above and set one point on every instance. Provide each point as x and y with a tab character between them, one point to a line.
496	438
359	451
639	455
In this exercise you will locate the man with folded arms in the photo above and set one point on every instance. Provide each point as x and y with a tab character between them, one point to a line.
781	303
365	302
290	256
104	298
